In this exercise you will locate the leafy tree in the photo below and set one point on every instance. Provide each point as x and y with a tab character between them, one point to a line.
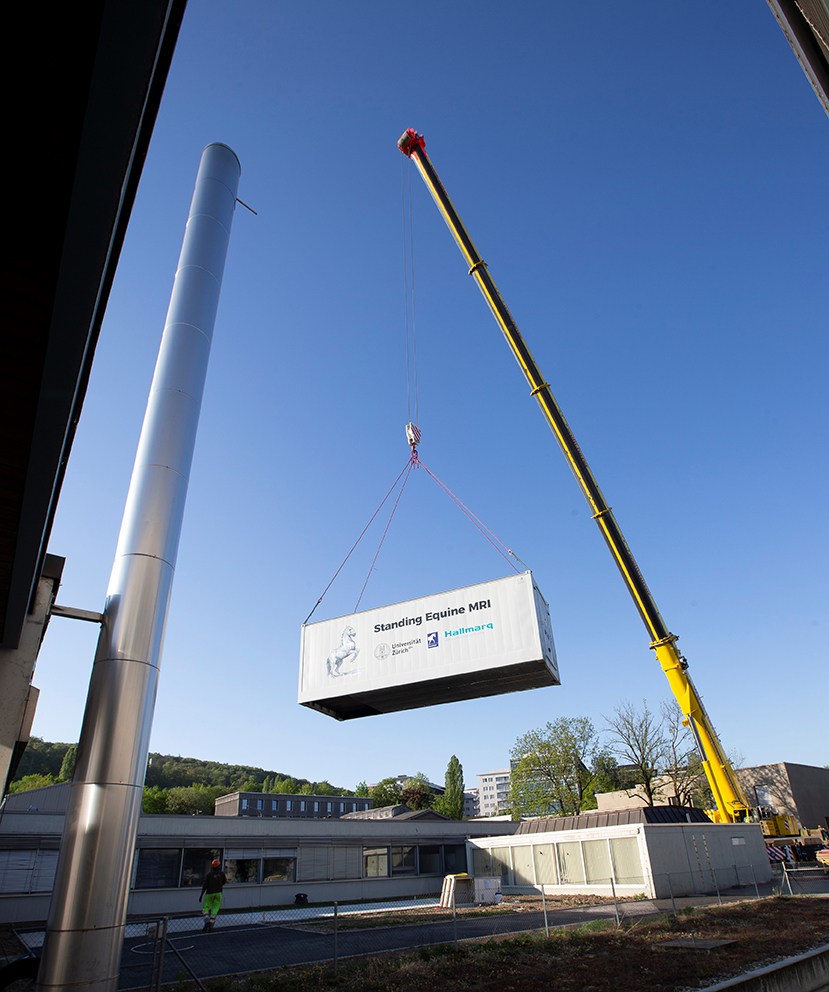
386	793
35	781
192	799
324	789
417	792
607	776
451	802
154	799
552	768
41	758
361	790
67	766
638	738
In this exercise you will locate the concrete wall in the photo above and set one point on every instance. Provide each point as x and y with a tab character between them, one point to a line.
697	858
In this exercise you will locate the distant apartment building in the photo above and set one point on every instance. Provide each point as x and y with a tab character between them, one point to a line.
471	803
493	792
284	806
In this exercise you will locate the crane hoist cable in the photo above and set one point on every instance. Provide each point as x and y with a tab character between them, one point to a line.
409	321
413	437
412	404
404	471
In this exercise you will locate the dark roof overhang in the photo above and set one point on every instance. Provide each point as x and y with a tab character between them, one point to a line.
82	103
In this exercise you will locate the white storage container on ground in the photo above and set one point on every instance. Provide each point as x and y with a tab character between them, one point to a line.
482	640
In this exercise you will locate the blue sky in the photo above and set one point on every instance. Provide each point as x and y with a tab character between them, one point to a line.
646	183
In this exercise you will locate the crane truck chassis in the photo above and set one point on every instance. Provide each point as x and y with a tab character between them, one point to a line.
729	797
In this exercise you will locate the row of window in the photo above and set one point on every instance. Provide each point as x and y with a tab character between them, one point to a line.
568	863
301	805
177	868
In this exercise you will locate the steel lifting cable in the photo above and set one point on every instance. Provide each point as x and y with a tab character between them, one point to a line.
476	521
404	471
412	464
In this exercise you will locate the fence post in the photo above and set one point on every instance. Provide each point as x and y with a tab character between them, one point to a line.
162	936
155	930
454	915
615	903
544	907
754	879
786	876
336	949
671	891
716	887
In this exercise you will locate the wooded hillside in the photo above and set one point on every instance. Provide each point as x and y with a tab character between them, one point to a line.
45	760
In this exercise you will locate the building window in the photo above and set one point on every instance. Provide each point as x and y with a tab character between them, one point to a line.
454	858
500	864
196	864
316	807
403	860
481	861
244	804
259	804
430	861
302	805
375	862
570	867
544	856
329	807
596	861
627	864
158	868
289	805
279	870
27	871
241	865
274	804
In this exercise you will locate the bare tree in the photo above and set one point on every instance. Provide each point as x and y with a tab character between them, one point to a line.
638	740
683	764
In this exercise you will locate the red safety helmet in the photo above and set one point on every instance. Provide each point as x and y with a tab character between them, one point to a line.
216	863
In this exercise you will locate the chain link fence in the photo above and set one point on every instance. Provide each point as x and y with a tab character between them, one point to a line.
167	950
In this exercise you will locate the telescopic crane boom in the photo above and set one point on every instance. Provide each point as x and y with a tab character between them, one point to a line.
728	794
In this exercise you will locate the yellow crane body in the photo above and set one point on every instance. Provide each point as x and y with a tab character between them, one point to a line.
730	800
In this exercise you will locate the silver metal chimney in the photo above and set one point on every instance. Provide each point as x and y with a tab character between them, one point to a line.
85	931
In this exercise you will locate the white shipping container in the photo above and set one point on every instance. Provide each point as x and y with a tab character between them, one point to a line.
481	640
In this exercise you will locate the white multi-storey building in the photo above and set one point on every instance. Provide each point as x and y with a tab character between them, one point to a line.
471	803
493	792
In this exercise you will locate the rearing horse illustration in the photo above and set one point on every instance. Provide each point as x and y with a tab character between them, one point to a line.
346	652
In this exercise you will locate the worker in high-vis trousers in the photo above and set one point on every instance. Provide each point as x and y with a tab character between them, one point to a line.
211	892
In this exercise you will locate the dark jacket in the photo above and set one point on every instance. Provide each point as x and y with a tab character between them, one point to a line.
214	881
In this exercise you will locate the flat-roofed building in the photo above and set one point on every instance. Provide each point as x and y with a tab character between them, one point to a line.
290	806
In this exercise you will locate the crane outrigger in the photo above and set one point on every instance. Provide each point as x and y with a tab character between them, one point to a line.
730	799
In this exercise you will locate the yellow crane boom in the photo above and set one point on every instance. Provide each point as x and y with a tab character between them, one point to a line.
729	797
